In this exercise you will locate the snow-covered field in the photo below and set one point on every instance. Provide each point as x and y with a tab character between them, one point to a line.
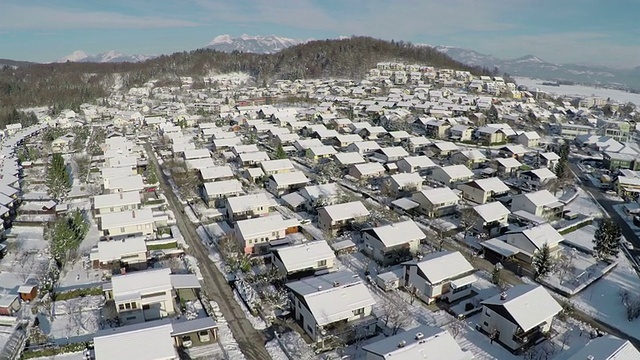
74	320
584	204
617	95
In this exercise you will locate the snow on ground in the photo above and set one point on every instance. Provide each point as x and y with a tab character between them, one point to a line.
74	320
621	209
581	238
295	345
584	204
68	356
602	300
27	251
581	90
255	321
225	337
80	273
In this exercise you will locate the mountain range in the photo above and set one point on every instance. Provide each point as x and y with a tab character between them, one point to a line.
253	44
532	66
111	56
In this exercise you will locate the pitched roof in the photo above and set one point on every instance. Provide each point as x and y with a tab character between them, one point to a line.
491	211
276	165
232	186
370	168
607	347
541	234
489	184
117	199
541	198
345	211
145	341
133	284
404	179
126	218
304	256
116	249
457	171
509	162
216	172
526	305
421	162
397	233
349	158
290	178
250	201
440	266
438	195
266	224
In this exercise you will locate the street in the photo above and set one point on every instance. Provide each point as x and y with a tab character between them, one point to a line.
215	285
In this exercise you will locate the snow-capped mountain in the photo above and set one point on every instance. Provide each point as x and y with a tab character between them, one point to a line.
533	66
253	44
111	56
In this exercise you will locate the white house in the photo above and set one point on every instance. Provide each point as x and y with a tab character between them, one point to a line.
451	175
348	158
529	139
304	258
607	347
278	166
415	343
283	183
391	244
539	203
537	178
531	240
124	184
132	252
127	223
491	218
519	316
216	173
153	339
483	190
335	298
415	164
389	154
446	275
254	235
436	202
215	193
335	218
320	195
405	183
367	170
249	206
363	147
123	201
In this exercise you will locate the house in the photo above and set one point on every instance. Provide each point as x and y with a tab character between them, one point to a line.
320	195
320	152
333	219
303	259
491	218
216	173
244	149
196	154
303	144
344	140
437	128
389	154
127	223
460	133
249	206
252	158
348	158
529	139
363	147
129	253
62	144
436	202
9	304
519	316
405	183
513	151
415	343
483	190
254	235
469	158
451	175
444	148
539	203
445	275
394	243
508	166
607	347
488	135
283	183
537	178
124	184
113	173
417	143
122	201
367	170
338	301
277	166
215	193
548	160
153	342
415	164
531	240
28	292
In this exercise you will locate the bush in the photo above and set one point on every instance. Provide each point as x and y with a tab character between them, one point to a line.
171	245
53	351
468	306
77	293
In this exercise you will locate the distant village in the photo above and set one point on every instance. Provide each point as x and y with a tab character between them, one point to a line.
417	211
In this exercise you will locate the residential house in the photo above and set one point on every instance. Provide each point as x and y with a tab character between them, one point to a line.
513	151
415	343
153	339
348	158
253	158
405	183
363	147
548	160
389	154
249	206
437	128
539	203
254	235
333	219
491	218
508	167
216	173
122	201
519	316
436	202
537	178
196	154
443	149
129	253
127	223
451	175
320	152
320	195
415	164
445	275
394	243
284	183
489	135
460	133
215	194
344	140
124	184
62	144
531	240
303	259
367	170
278	166
607	347
529	139
416	144
469	158
338	301
483	190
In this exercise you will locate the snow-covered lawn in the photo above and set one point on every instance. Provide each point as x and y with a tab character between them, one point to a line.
26	256
585	204
584	270
74	320
225	337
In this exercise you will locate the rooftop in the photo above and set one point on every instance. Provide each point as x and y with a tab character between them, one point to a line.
126	218
115	200
345	211
304	256
526	305
440	266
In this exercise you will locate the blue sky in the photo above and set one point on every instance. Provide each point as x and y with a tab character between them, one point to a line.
577	31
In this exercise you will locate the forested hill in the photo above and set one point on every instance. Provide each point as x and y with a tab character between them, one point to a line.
67	85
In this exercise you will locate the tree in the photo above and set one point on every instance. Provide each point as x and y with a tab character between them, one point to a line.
83	163
607	240
57	178
468	219
280	153
393	317
152	176
542	262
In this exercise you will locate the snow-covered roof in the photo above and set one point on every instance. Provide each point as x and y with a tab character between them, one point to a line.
304	256
232	186
491	211
349	158
257	156
607	347
445	146
473	154
551	156
438	195
526	305
542	198
116	249
314	192
492	184
216	172
345	211
127	183
457	171
543	234
322	150
126	218
421	162
132	285
248	228
407	179
393	151
276	165
509	162
145	341
440	266
290	178
116	200
542	173
397	233
370	168
196	154
248	202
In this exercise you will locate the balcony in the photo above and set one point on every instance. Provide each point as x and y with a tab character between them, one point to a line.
530	336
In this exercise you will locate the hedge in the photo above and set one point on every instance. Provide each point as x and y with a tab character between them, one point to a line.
77	293
171	245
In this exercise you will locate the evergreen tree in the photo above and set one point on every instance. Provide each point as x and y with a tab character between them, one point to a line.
57	178
152	176
607	240
542	262
280	153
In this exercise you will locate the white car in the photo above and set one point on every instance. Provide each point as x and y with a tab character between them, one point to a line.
204	336
186	341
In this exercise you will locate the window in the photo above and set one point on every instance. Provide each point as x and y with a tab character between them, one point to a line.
486	323
120	306
322	263
121	229
310	328
145	307
111	209
139	227
134	305
127	306
358	312
486	312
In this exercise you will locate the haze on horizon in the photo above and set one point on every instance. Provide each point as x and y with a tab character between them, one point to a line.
570	31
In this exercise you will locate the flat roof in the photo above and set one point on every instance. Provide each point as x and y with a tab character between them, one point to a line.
149	341
183	327
126	218
115	200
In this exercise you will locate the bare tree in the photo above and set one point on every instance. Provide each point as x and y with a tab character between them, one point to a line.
563	266
394	317
26	261
468	219
455	328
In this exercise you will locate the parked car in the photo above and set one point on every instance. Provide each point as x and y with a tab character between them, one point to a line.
186	341
204	336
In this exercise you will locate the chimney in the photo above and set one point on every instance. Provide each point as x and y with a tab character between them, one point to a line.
336	284
402	343
133	214
503	296
419	336
319	287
